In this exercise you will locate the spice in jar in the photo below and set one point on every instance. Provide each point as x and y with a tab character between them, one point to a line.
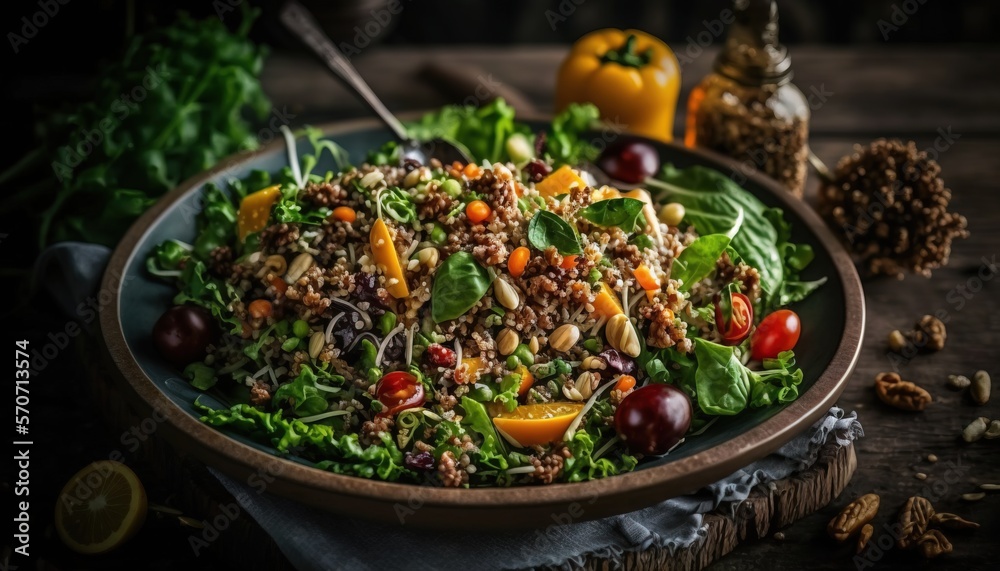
748	109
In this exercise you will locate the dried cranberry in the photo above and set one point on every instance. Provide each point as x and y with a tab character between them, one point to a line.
420	461
537	170
440	356
618	363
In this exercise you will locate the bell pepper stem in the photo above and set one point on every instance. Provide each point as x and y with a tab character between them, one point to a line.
627	56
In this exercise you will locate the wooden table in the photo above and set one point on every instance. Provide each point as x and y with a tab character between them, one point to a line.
923	94
883	90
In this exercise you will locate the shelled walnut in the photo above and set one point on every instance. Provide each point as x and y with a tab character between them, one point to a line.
894	391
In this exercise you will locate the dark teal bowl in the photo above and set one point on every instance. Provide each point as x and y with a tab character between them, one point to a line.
833	323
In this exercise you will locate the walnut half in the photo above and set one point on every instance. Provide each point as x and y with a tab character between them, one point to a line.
894	391
853	517
913	520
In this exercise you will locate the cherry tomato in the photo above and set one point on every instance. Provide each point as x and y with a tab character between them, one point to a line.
398	391
654	418
776	333
183	333
629	161
735	326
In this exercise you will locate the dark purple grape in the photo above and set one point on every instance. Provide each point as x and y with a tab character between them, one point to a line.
653	418
629	161
183	333
618	363
410	164
422	461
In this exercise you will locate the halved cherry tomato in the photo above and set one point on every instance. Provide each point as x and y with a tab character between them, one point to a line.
398	391
776	333
733	317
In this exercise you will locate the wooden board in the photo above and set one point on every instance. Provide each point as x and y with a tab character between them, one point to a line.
245	545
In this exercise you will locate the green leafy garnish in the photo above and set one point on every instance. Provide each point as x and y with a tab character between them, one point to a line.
548	229
459	284
698	259
201	376
722	383
565	143
304	393
625	213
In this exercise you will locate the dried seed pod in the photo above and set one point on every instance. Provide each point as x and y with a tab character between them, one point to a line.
993	430
316	343
506	294
896	341
533	345
570	391
622	336
507	341
371	179
894	391
276	265
429	257
958	382
928	334
299	265
975	430
913	519
951	521
853	517
980	390
593	362
990	487
974	496
587	382
933	543
564	337
866	533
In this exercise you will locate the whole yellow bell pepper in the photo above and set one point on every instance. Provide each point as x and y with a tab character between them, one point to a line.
631	76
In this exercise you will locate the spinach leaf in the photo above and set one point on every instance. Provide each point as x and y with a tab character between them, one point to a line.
722	382
643	242
306	399
369	352
712	203
200	375
458	285
548	229
698	260
565	144
793	291
625	213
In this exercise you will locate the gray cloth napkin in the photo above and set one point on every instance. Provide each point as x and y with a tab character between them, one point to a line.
314	540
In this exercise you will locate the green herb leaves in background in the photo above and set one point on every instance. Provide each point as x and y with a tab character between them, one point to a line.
104	162
458	285
548	229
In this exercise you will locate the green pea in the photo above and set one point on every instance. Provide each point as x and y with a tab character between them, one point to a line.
387	322
481	393
595	276
290	344
451	187
592	345
513	362
438	235
524	355
300	328
562	367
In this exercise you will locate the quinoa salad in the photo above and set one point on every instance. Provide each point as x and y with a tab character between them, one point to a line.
509	321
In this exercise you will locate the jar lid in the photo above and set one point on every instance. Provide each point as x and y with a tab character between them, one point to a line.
752	54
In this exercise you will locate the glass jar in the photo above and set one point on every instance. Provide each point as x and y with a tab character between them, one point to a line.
747	108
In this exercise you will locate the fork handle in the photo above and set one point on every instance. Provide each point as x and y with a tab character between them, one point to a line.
298	19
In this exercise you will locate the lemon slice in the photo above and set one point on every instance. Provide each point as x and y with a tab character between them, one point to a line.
100	507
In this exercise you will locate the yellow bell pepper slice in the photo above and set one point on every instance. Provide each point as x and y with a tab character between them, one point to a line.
606	304
632	77
469	370
255	209
559	182
385	255
604	193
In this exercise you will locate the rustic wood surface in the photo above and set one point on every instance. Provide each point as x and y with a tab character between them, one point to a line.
883	90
